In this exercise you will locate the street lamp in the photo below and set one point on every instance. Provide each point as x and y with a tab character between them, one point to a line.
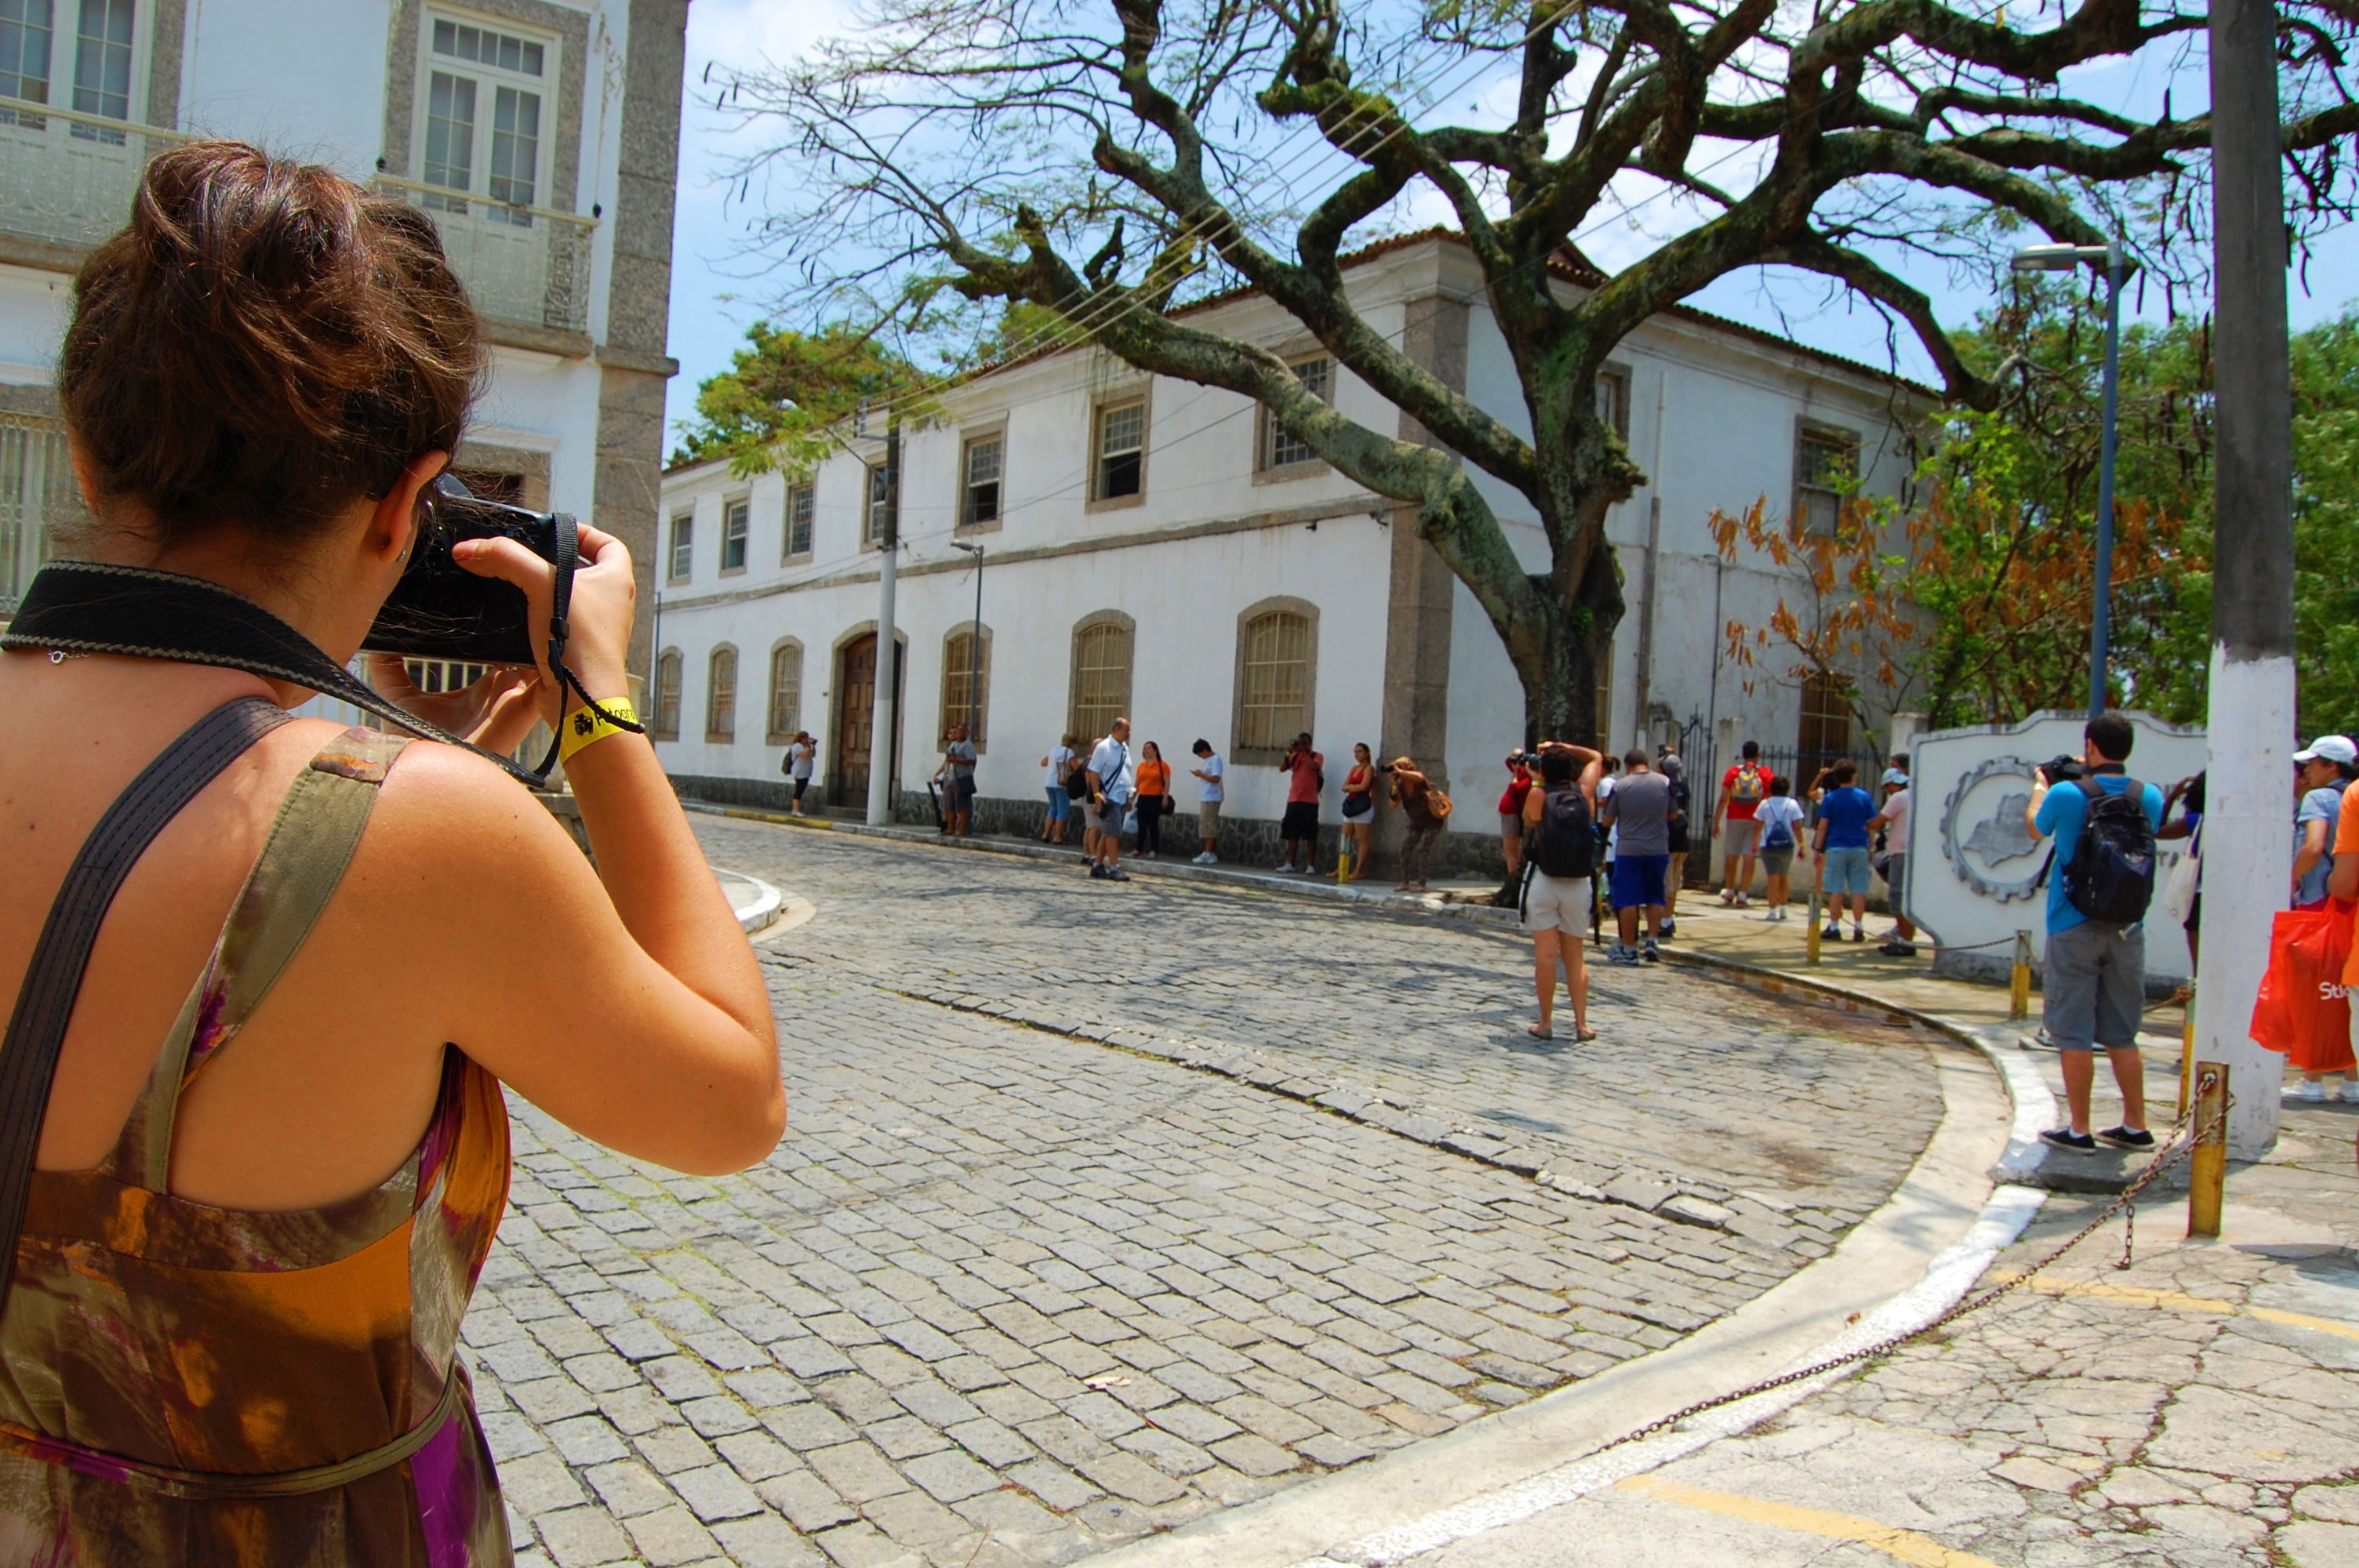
974	644
2065	258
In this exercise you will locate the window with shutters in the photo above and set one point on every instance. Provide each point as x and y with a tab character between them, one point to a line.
875	503
1100	687
980	467
1277	653
485	90
736	522
38	499
966	683
1613	401
1826	464
803	506
786	691
1118	457
1826	718
721	696
665	726
1279	449
683	546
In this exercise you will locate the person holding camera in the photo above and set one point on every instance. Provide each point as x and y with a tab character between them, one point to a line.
2100	881
1425	810
1305	776
1511	811
265	1143
802	752
956	776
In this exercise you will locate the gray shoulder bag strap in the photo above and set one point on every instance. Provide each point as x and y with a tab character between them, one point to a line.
45	1003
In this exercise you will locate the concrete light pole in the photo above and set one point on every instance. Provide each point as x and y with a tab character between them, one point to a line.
883	714
2247	830
2064	258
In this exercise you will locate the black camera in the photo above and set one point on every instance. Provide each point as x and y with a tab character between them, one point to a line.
1517	759
2062	768
439	609
1383	767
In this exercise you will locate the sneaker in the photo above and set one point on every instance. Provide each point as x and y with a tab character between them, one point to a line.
1626	957
1117	874
1728	897
2065	1137
2122	1138
2349	1093
2308	1090
1097	871
1740	900
1773	915
1670	929
1831	933
1896	948
1652	954
1203	859
1857	935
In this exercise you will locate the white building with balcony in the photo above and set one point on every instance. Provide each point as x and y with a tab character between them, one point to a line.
542	135
1159	549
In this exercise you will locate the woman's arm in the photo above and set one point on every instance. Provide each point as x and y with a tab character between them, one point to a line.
2312	851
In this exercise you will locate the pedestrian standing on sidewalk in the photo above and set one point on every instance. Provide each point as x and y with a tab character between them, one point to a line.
1109	801
2188	795
2094	993
1561	819
1779	825
957	777
1671	768
1892	821
1360	808
1742	790
2325	766
1306	777
1424	809
801	753
1608	771
1840	846
1154	799
1208	769
1640	815
1058	763
1511	811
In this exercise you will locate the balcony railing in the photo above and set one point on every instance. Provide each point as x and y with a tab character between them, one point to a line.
525	265
67	177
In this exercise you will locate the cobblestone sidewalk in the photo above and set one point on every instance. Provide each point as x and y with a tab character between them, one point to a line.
1105	1205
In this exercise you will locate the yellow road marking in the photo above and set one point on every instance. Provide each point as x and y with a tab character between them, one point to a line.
2097	1289
1902	1545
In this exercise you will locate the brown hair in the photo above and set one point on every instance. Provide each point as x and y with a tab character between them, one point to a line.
265	343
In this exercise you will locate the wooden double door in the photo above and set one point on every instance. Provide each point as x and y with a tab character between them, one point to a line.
854	725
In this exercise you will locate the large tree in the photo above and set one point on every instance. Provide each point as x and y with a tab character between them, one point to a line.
1108	161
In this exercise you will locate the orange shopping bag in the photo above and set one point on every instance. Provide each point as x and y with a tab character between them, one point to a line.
2303	1010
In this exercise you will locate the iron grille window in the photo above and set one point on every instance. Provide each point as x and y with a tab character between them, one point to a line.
721	697
1122	451
786	692
1278	448
802	504
38	499
737	518
1101	677
979	504
1825	462
683	546
666	719
1275	705
1826	717
967	684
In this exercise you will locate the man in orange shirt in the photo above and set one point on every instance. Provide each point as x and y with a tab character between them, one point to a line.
2344	884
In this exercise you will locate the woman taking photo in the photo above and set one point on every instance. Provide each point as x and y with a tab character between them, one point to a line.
274	1150
1360	808
1154	800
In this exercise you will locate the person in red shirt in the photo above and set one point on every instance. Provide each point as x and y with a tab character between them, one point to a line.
1511	811
1306	774
1742	790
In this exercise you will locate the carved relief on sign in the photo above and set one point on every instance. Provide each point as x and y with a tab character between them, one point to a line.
1983	835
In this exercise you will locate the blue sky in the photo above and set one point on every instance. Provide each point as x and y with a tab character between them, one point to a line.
717	288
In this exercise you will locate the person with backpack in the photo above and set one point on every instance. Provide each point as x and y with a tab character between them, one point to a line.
1426	811
801	753
1779	821
1059	765
1841	845
1560	861
1742	790
2100	881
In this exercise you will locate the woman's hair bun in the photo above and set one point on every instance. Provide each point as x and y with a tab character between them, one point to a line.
262	344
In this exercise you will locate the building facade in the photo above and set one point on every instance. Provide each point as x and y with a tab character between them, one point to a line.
1162	551
543	136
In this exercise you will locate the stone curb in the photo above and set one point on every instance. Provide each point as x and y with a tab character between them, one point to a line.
760	911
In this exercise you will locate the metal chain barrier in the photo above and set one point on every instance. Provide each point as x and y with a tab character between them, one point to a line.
2177	1149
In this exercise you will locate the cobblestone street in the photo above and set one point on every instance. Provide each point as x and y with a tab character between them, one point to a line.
1105	1205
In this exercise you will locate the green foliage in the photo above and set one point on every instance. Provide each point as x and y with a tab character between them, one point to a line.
2326	524
789	396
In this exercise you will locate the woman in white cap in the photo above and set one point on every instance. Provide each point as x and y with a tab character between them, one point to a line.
2325	767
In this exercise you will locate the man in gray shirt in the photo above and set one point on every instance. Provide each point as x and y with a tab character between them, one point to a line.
1640	811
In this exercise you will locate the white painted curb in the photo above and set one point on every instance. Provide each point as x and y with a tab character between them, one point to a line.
762	911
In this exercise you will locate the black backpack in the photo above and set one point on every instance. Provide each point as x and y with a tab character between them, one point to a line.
1565	842
1077	776
2109	877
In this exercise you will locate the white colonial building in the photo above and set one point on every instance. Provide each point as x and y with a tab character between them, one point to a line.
1159	549
542	135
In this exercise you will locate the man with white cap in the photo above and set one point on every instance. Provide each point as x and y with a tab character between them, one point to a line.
2325	767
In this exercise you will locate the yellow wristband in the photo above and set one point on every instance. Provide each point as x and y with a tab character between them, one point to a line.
583	727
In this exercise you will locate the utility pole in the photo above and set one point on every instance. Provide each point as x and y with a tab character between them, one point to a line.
2247	840
885	714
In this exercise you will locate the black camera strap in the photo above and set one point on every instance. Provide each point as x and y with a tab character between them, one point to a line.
89	607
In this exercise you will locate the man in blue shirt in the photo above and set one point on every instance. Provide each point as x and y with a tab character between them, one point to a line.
1842	849
2094	990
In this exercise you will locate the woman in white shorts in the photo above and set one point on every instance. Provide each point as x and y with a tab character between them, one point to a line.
1557	909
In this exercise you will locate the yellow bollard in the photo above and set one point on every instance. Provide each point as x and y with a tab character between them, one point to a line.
1810	941
2207	1167
2019	986
1343	860
2187	1053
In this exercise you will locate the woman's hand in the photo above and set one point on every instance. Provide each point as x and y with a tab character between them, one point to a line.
598	615
495	713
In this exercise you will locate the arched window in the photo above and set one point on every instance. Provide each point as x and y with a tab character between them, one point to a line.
1277	647
1102	643
786	691
966	683
721	696
666	726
